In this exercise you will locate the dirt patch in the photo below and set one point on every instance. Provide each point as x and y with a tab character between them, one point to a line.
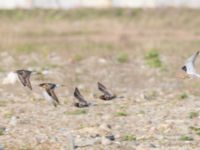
82	47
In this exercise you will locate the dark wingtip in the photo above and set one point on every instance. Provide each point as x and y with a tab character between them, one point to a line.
58	102
75	91
98	83
55	105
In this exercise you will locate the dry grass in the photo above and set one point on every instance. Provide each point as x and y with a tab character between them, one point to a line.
136	53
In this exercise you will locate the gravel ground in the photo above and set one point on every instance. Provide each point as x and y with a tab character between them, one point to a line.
137	54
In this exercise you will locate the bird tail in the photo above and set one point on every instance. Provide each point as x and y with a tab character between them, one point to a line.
55	103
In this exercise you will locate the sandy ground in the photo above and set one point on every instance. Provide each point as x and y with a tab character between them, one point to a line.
78	48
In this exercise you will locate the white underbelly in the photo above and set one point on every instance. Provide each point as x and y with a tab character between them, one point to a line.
47	97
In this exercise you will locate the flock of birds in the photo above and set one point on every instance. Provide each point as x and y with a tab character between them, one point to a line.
49	93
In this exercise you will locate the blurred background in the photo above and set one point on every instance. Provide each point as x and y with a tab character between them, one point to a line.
67	4
135	47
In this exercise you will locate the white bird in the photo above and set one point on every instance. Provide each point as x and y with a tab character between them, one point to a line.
189	66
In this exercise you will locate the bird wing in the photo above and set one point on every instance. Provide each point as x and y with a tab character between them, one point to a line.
190	63
21	78
28	83
103	89
53	95
78	95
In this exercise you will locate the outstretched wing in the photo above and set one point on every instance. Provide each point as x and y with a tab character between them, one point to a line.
103	89
190	63
21	78
78	95
53	95
24	77
28	83
194	57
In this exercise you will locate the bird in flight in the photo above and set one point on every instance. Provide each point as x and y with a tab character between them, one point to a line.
81	101
106	94
24	77
189	66
49	93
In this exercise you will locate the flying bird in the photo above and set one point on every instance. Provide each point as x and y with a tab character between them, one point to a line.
189	66
106	94
81	101
49	93
24	77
